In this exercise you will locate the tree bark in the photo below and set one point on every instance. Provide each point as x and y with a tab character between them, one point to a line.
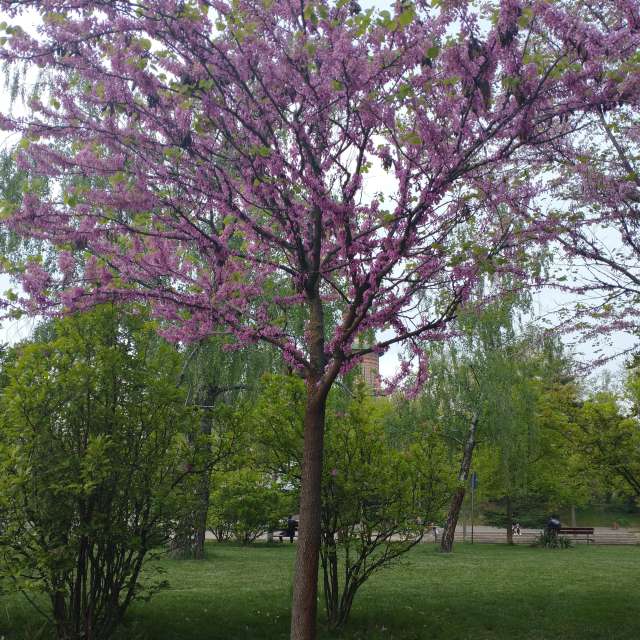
305	585
201	515
446	544
509	521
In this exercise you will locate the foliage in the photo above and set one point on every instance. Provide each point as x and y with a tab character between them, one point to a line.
551	540
609	439
377	497
215	379
489	372
245	503
92	451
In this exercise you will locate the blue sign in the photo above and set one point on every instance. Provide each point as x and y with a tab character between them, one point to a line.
474	480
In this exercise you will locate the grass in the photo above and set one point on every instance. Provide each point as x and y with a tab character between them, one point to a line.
479	592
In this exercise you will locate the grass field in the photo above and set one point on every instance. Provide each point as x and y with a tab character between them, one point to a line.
479	592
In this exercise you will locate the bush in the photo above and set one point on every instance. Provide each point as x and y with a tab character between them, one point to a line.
245	503
92	449
551	540
377	495
377	499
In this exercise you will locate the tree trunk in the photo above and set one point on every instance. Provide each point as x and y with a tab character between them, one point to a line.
60	615
305	585
573	516
189	543
201	515
204	481
509	521
446	544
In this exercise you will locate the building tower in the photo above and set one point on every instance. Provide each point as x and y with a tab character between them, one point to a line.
369	369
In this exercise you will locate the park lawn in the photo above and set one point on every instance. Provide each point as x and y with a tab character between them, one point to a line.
481	591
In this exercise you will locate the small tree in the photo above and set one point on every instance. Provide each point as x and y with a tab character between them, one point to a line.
245	503
377	496
91	453
377	500
215	379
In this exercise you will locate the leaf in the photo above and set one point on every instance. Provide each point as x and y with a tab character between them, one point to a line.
406	17
433	52
412	138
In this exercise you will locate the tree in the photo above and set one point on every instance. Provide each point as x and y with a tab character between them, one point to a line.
215	378
594	212
92	453
246	503
473	393
378	494
609	439
222	152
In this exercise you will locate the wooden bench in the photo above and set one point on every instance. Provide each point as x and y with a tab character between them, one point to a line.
587	532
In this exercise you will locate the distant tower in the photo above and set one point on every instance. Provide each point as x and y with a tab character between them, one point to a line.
369	369
370	366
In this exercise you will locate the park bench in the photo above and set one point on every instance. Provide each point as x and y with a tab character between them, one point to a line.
279	535
587	532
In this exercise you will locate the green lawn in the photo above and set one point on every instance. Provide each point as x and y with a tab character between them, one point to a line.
481	591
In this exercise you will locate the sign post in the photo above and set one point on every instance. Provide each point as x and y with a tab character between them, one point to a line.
474	486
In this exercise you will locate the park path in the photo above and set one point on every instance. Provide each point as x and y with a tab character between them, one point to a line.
486	534
494	535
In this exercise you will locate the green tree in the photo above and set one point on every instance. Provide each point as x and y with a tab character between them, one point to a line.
92	457
609	438
215	379
245	503
378	494
477	393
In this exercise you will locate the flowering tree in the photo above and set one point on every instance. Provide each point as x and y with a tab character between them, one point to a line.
214	159
594	200
595	219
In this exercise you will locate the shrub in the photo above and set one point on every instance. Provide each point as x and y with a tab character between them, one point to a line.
245	503
551	540
92	449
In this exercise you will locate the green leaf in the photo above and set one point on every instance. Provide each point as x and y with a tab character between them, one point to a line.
433	52
412	138
406	17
